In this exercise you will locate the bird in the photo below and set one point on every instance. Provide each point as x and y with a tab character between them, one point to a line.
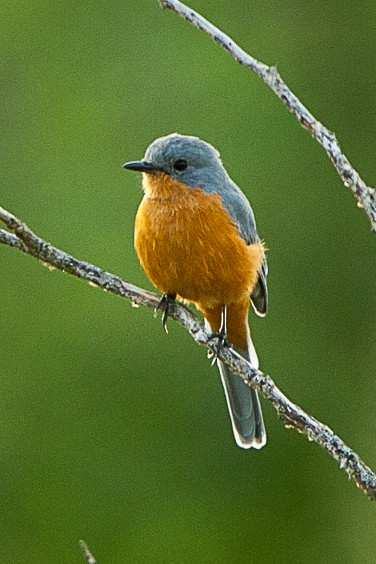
195	236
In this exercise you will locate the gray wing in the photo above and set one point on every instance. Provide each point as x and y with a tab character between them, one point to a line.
259	294
242	214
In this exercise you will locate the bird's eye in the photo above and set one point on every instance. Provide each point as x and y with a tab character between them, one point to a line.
180	165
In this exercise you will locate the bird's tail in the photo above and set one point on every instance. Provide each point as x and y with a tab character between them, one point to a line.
243	404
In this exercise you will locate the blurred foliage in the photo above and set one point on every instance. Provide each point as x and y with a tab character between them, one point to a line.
110	430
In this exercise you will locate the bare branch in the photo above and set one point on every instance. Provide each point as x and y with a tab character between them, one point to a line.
87	554
10	239
292	415
25	240
365	195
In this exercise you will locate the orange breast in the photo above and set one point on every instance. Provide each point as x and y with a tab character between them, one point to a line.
188	245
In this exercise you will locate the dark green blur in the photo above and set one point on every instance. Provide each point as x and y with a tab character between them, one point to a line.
110	430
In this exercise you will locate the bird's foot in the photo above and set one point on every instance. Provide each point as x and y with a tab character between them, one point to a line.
219	336
221	342
164	305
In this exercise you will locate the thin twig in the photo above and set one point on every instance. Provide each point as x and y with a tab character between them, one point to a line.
365	195
87	554
290	414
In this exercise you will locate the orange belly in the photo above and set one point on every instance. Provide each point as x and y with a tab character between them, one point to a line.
188	245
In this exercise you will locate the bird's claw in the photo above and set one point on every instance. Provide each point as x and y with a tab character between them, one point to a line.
164	305
220	336
222	341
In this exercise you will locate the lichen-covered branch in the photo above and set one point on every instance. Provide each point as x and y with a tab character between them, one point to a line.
18	235
87	554
365	195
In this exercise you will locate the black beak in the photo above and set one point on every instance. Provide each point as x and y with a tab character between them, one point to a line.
142	166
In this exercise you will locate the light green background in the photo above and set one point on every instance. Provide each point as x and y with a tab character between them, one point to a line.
110	430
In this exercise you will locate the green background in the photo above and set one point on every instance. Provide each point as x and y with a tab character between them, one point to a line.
110	430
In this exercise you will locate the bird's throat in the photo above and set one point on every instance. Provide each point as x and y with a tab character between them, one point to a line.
161	185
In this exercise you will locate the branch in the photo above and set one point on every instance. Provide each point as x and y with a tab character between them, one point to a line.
87	554
365	195
291	415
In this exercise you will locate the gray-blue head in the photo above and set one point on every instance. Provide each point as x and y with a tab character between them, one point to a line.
198	165
185	158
